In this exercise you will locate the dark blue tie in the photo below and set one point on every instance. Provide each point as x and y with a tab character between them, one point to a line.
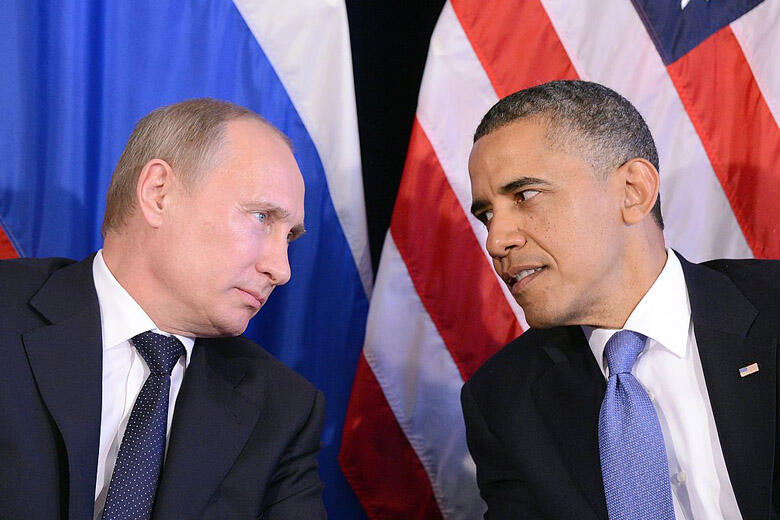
631	444
138	465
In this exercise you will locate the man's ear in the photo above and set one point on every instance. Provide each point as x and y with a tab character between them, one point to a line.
154	187
641	190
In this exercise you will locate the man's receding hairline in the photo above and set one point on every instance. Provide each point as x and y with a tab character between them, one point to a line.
263	122
222	141
550	123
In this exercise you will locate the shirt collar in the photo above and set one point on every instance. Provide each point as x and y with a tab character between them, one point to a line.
121	317
663	314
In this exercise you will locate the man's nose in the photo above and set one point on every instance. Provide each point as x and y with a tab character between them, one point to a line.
504	233
274	261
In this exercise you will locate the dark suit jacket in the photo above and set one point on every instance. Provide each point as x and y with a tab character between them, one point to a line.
532	410
245	433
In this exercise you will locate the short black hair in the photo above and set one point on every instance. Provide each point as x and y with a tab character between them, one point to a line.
600	123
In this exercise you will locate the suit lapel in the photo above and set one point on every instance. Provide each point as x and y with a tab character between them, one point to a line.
743	407
65	358
568	397
211	424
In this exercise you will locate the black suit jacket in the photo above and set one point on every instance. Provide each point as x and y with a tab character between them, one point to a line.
245	433
532	410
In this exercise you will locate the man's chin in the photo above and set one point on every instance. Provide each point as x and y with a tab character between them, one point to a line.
236	329
547	318
541	318
231	327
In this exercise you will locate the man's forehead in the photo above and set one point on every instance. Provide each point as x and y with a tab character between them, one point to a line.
492	154
513	136
248	134
259	175
530	142
257	145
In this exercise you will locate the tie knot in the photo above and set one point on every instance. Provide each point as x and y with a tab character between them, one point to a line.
622	350
160	352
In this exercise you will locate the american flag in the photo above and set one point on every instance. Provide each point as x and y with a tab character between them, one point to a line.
705	76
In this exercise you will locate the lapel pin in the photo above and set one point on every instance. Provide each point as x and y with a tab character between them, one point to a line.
750	369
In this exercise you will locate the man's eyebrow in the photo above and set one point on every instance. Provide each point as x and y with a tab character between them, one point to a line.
277	212
478	206
522	182
296	232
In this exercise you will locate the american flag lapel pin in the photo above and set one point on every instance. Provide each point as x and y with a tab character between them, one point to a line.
750	369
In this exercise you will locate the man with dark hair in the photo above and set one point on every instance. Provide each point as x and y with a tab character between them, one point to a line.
646	386
127	390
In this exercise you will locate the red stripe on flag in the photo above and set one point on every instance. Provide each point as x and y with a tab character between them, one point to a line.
450	273
515	41
738	132
377	459
6	247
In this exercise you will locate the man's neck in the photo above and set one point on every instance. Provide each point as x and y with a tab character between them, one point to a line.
124	257
639	272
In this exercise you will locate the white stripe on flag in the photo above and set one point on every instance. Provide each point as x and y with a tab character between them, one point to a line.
608	43
308	44
421	384
454	95
756	32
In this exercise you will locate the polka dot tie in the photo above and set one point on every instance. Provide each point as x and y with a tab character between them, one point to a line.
631	444
137	470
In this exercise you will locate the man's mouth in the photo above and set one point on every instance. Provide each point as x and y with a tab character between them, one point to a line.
522	278
253	298
527	272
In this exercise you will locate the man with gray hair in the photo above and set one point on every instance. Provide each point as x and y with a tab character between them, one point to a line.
646	386
128	391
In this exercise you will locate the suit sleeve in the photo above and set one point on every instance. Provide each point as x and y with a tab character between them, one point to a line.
500	484
775	512
295	490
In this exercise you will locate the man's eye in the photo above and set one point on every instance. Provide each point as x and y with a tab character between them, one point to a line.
527	194
485	217
261	217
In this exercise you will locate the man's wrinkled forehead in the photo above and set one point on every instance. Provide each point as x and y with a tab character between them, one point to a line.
546	132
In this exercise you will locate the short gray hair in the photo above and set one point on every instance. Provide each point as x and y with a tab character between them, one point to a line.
598	122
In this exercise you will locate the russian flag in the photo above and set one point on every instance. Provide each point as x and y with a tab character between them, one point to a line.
76	78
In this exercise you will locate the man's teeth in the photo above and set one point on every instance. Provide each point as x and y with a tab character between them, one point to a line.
522	274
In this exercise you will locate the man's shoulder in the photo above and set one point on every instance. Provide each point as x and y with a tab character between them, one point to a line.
260	367
757	280
21	278
524	358
30	271
749	272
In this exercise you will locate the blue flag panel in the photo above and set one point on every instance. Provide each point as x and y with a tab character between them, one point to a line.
678	26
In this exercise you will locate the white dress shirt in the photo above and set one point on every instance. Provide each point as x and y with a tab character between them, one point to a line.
670	370
124	369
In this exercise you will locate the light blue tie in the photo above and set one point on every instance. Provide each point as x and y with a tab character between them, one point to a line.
631	444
